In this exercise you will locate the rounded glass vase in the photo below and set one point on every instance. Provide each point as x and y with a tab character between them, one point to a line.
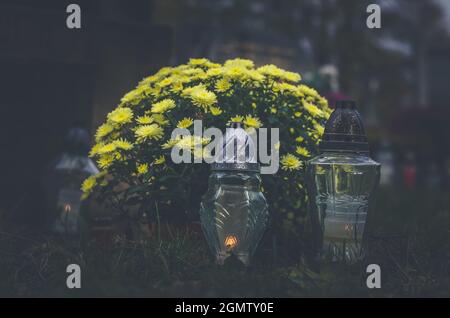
234	214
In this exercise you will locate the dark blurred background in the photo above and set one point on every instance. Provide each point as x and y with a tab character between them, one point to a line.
52	77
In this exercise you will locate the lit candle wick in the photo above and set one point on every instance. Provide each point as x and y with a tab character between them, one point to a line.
230	242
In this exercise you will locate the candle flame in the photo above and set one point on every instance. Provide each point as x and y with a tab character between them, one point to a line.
230	242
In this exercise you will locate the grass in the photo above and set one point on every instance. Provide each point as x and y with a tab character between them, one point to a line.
411	243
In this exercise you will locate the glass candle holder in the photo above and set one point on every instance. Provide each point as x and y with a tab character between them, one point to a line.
233	211
234	214
341	184
62	182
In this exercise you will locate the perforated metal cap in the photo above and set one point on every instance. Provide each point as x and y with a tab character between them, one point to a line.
238	151
344	130
77	141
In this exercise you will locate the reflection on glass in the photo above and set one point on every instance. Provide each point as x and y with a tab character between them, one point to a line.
343	186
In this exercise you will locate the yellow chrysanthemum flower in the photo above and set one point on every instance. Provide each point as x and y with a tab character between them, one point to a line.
177	87
285	87
323	102
108	148
120	116
302	151
320	129
89	184
235	72
189	90
170	143
223	85
213	65
308	91
101	180
95	149
312	109
164	71
200	76
135	96
274	71
198	62
155	91
194	73
203	98
255	76
165	82
142	168
146	132
144	120
290	162
237	119
240	62
123	144
271	70
252	122
185	123
163	106
299	139
159	119
216	71
103	131
105	161
216	111
201	89
159	161
292	77
118	156
150	79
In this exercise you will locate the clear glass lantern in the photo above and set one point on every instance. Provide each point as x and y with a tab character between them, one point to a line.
62	182
233	211
341	185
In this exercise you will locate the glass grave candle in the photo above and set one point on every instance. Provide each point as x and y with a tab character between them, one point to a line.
62	182
341	185
233	211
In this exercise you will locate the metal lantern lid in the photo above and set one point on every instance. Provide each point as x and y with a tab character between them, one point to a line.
238	151
77	141
344	130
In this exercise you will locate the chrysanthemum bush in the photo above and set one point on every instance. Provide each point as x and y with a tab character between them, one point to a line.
133	146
